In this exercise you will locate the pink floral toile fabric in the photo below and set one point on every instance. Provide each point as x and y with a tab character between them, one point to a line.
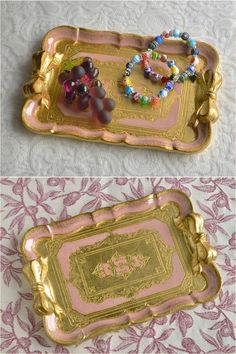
27	202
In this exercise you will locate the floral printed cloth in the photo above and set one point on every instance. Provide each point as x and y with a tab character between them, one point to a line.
27	202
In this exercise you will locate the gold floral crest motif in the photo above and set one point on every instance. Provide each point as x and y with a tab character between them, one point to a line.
120	265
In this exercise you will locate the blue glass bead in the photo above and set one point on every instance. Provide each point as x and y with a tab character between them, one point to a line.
171	63
169	85
128	90
176	33
191	43
136	58
163	93
191	69
159	39
195	51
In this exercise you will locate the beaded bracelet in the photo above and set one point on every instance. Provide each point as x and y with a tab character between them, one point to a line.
149	73
134	95
191	43
170	81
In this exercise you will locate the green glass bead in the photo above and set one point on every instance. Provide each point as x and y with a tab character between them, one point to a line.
144	100
180	79
185	76
154	55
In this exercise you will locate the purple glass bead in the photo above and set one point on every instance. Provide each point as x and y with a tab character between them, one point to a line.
82	90
87	59
97	92
63	76
83	102
70	96
109	104
96	83
147	71
87	64
96	104
155	77
77	72
104	117
69	85
94	73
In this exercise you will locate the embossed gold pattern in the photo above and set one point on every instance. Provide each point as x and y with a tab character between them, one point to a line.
107	279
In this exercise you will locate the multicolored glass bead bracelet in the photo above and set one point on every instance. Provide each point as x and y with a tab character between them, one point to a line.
143	59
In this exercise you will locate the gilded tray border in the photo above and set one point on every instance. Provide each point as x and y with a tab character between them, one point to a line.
206	112
191	224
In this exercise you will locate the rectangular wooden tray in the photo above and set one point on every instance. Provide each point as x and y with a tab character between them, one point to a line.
182	122
120	265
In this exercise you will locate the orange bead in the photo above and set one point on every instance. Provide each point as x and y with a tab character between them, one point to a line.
144	56
143	63
154	101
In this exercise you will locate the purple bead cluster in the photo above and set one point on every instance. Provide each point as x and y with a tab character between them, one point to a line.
81	84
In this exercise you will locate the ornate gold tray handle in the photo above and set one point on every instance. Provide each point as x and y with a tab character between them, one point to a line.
207	110
44	302
193	227
44	65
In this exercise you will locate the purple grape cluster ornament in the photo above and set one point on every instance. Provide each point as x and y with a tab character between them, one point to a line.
81	84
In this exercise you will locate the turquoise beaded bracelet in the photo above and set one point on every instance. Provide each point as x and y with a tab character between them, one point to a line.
170	81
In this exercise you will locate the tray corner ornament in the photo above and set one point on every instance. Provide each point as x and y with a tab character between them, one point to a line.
120	265
181	123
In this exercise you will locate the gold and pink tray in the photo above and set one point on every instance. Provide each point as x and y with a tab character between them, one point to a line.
102	271
182	122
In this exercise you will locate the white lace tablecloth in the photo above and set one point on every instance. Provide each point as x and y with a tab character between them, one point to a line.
23	26
205	329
